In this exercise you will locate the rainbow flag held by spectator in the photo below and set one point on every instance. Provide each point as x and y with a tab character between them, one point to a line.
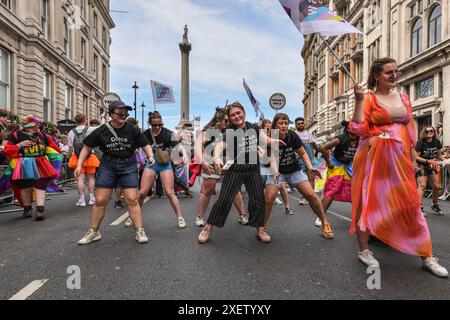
313	16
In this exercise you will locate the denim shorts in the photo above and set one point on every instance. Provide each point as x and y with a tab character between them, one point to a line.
157	167
117	173
268	178
293	179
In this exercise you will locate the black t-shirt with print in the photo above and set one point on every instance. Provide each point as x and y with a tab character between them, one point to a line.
429	150
245	149
165	140
130	139
288	158
344	152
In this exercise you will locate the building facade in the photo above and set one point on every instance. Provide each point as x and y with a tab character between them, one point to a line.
414	32
54	57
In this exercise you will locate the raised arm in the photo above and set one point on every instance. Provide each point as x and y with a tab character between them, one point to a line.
326	149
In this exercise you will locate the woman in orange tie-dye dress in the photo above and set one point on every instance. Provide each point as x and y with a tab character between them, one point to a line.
384	193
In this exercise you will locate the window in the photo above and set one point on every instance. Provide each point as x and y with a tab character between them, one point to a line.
5	89
420	5
85	105
416	37
66	38
374	14
68	97
336	88
322	95
95	68
425	88
104	75
6	3
95	25
435	27
104	42
83	53
47	85
374	51
359	70
44	18
321	68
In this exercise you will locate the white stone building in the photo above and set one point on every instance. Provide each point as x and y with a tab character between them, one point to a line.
414	32
54	57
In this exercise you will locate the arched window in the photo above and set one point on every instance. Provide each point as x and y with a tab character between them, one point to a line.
416	37
435	26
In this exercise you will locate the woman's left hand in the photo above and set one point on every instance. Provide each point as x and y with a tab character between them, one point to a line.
316	173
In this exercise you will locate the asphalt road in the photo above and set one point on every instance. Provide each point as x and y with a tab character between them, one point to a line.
298	264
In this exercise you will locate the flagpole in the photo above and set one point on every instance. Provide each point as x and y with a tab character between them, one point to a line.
337	57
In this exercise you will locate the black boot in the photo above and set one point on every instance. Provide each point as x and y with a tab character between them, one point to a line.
27	212
40	213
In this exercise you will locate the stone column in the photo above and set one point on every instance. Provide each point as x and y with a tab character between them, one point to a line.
185	48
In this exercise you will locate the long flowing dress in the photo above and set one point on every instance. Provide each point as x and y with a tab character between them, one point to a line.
384	192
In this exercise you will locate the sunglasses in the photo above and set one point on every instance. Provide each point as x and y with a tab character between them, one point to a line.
121	114
428	131
157	125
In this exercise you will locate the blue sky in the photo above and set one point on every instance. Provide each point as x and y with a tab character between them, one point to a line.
231	40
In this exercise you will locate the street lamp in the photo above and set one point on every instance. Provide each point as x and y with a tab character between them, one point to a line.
143	107
135	87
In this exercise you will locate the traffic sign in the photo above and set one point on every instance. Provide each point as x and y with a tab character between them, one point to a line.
108	98
277	101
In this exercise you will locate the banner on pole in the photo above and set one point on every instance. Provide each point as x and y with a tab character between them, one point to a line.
162	93
252	98
313	16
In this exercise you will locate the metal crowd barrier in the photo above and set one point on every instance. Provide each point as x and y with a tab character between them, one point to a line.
444	179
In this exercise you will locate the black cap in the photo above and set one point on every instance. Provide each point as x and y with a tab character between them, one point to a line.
3	113
119	104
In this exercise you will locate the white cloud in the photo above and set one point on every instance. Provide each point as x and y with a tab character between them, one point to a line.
263	47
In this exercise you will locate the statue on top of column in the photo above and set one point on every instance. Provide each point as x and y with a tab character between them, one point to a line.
185	35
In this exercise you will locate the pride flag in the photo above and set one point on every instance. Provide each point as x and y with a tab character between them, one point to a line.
312	16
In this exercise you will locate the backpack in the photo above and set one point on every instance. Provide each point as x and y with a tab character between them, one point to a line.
78	140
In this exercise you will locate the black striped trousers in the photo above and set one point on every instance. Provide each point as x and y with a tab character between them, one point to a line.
231	185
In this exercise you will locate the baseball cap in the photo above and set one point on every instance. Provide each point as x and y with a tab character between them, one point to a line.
119	104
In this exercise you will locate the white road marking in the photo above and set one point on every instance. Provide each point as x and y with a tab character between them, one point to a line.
124	217
330	212
26	292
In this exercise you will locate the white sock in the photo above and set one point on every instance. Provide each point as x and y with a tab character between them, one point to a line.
92	196
82	197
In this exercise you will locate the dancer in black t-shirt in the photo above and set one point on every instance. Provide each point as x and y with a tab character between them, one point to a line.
339	168
429	152
118	141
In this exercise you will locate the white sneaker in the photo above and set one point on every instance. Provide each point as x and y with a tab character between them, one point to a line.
278	201
199	222
129	222
181	223
243	219
302	202
141	237
432	265
318	223
91	202
81	203
368	259
89	237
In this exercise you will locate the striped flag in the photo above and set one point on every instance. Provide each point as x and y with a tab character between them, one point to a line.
252	98
313	16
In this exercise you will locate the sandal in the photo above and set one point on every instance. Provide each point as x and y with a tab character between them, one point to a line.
327	232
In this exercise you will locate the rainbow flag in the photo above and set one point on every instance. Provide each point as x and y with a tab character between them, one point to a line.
312	16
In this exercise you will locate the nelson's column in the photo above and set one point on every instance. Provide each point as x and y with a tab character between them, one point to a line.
185	48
